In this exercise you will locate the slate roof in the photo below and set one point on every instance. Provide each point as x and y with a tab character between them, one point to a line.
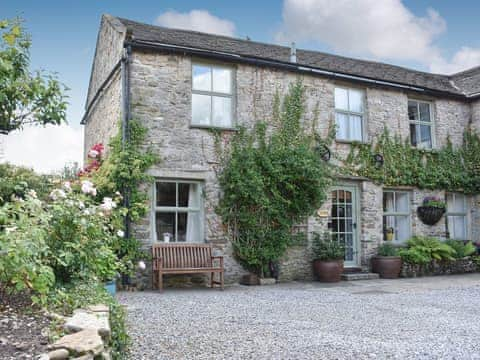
468	81
456	84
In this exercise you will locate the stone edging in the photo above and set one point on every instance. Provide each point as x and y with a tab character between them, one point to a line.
88	335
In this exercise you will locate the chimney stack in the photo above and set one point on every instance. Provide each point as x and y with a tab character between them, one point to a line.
293	53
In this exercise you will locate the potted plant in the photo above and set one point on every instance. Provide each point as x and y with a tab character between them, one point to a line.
431	210
328	255
389	234
387	263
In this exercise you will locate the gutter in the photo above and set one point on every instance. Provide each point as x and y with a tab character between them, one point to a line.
230	57
125	68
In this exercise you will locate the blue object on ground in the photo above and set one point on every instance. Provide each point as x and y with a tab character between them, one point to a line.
111	287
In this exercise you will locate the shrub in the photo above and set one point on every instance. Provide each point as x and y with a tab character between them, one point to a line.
67	238
81	239
17	180
423	250
326	248
387	249
23	248
461	249
270	182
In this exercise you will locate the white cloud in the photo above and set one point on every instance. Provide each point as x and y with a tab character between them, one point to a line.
382	29
385	30
463	59
198	20
45	149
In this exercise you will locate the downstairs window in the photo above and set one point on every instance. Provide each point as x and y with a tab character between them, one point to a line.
178	211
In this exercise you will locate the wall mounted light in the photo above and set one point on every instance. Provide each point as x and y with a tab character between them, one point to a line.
378	158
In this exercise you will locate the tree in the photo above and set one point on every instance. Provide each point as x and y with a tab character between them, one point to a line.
25	97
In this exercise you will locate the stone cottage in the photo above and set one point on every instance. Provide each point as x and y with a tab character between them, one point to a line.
181	84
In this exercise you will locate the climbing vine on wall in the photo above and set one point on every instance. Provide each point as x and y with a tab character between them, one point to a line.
271	179
448	168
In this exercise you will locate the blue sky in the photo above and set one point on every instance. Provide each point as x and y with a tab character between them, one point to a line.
64	35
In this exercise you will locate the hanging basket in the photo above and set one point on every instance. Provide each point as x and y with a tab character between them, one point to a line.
430	215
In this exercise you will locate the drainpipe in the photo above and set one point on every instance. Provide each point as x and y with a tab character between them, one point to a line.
125	121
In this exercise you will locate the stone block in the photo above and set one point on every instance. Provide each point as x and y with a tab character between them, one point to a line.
83	319
83	342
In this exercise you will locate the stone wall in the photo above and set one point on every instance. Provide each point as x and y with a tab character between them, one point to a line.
476	114
459	266
104	116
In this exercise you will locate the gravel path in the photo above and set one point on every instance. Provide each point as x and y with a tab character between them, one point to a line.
427	318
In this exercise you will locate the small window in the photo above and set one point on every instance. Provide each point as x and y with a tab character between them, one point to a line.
457	216
178	215
349	114
396	216
420	117
212	96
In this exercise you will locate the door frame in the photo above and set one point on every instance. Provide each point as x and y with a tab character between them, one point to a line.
355	189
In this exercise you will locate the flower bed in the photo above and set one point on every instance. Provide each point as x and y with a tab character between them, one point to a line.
458	266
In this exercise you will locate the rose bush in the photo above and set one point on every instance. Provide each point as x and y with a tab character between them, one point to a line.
67	238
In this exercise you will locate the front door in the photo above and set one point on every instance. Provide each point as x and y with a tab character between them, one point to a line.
344	221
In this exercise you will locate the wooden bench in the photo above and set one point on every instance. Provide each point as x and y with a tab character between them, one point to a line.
175	258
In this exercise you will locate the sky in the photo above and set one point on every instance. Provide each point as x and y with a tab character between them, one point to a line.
437	35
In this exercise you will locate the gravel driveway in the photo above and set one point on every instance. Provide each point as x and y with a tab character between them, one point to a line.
425	318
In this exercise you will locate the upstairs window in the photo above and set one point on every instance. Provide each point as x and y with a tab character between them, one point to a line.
457	216
420	116
349	114
212	96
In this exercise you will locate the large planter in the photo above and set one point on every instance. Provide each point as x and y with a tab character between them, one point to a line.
430	215
328	271
388	267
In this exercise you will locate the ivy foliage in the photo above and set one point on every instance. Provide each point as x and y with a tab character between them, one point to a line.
123	173
271	179
449	168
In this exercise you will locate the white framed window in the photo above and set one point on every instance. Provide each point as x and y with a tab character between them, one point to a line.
178	211
421	124
212	95
457	211
396	215
349	114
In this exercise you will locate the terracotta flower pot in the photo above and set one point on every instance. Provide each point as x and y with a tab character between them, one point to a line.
388	267
328	271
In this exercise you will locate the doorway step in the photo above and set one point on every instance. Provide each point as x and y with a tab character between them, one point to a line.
351	274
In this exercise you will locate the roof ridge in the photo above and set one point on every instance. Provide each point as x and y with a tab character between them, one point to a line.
463	72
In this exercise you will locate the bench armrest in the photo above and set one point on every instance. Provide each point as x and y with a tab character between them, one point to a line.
220	259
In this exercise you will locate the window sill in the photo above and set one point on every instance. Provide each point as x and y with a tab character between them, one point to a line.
218	128
350	142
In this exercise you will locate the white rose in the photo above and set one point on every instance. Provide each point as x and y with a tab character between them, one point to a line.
57	194
88	188
120	233
67	186
141	265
